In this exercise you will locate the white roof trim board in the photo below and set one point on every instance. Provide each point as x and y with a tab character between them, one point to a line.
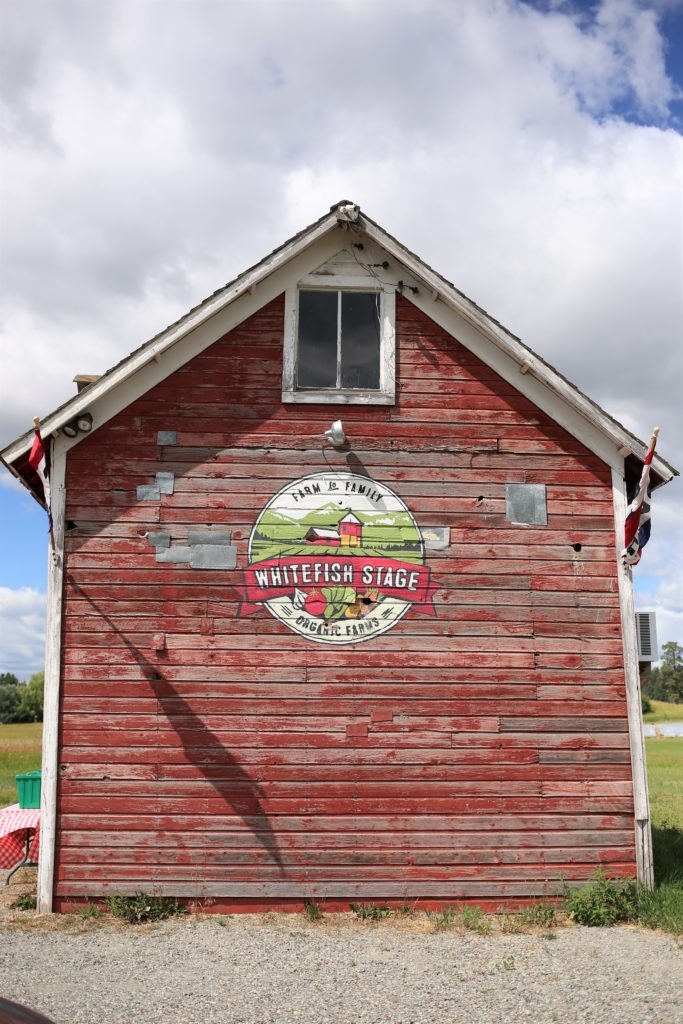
345	214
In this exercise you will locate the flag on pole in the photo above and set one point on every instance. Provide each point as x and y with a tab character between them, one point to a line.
39	460
637	526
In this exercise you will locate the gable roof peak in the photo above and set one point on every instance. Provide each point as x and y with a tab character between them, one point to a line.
540	381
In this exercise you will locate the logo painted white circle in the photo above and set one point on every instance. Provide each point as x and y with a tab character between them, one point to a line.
336	557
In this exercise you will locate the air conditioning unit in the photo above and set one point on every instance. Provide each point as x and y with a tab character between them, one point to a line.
646	629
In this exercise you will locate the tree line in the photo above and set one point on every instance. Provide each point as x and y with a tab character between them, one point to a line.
666	682
20	701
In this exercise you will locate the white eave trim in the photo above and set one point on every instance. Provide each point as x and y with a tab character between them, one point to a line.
155	349
529	364
581	418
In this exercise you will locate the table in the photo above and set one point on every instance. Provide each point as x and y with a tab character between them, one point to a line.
19	838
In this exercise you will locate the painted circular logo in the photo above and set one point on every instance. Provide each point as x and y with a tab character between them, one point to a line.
337	558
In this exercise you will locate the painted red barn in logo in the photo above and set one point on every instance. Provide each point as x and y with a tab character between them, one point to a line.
347	534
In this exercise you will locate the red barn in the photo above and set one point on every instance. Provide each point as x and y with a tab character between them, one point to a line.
449	712
350	530
328	538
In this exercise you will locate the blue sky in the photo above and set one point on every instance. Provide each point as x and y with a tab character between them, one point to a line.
531	152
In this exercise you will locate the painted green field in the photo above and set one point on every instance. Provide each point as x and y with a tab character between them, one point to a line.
19	752
385	534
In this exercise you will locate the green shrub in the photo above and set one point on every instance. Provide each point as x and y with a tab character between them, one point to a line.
645	704
141	908
604	901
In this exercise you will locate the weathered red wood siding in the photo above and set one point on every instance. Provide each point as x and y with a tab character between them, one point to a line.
496	760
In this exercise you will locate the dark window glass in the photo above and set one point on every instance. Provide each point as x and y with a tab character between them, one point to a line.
317	353
360	340
330	357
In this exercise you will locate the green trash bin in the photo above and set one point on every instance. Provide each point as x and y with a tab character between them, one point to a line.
28	786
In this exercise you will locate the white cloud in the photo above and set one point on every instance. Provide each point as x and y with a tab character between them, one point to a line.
11	483
526	153
22	631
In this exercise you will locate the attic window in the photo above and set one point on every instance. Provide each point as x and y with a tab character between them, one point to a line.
339	346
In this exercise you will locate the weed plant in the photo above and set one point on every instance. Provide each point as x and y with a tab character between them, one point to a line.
312	911
442	920
370	911
90	912
27	901
507	964
142	908
475	920
539	915
510	924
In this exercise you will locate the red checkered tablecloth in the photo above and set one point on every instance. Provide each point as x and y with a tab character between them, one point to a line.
13	825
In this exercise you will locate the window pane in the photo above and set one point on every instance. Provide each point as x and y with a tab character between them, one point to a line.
360	340
317	352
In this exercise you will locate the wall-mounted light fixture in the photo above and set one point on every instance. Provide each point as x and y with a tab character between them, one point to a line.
79	425
335	435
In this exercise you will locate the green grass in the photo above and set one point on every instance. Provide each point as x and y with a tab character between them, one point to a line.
665	780
663	908
20	751
662	711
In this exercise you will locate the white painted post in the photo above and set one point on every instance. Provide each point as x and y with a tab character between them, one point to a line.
635	718
53	647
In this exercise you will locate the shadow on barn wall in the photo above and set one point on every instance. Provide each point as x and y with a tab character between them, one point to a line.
197	735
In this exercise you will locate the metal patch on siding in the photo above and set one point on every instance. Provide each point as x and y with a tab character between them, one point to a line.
213	556
177	553
159	540
165	482
208	537
436	538
525	504
148	492
166	437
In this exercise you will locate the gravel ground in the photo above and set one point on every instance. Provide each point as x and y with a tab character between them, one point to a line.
280	968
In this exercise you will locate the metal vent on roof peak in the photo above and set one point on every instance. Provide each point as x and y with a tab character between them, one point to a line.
646	629
82	380
346	212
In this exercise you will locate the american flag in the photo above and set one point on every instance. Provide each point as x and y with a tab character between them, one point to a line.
39	460
637	526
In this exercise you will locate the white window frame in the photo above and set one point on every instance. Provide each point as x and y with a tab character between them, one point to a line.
385	394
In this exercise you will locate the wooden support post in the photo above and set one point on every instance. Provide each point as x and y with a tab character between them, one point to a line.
635	719
53	647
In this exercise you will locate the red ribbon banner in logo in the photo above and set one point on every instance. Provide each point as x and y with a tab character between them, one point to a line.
280	577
